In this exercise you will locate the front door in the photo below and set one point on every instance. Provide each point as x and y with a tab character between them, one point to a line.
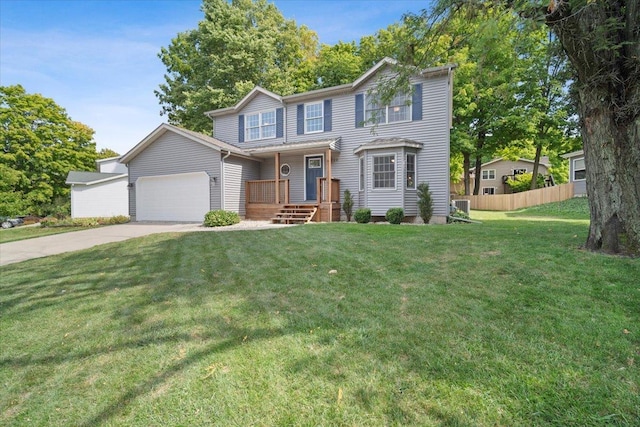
313	170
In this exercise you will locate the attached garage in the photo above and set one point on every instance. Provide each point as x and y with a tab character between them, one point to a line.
178	197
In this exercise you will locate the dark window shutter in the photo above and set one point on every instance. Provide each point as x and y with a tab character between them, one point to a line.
300	119
327	115
416	102
241	128
359	110
279	123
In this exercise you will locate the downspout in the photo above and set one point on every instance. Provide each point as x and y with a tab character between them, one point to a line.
222	202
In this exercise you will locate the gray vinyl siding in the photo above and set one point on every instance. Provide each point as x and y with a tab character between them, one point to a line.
580	186
236	172
226	127
173	154
432	160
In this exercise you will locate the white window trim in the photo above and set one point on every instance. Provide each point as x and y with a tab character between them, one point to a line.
519	169
321	103
362	173
260	125
386	109
395	172
415	170
488	174
483	194
573	170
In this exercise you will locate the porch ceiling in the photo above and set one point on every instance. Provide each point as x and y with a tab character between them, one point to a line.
296	147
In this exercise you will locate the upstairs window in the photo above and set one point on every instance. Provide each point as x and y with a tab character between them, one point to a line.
488	174
398	110
384	171
579	171
313	117
260	125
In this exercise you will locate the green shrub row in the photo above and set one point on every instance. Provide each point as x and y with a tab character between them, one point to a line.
220	218
51	221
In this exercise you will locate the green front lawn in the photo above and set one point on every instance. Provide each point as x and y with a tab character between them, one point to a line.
30	231
507	322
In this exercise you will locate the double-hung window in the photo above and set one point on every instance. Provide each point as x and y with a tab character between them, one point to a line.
410	167
488	174
579	171
384	171
260	125
488	191
398	110
313	117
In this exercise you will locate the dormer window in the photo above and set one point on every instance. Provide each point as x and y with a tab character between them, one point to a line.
260	125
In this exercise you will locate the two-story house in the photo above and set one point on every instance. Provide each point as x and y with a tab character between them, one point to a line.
271	154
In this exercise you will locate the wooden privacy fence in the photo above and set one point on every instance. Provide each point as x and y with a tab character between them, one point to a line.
511	202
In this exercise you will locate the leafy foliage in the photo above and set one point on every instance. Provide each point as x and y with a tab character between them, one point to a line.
425	202
40	145
347	204
220	218
362	215
522	182
238	45
394	215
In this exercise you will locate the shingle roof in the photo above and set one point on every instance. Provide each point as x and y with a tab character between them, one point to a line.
88	178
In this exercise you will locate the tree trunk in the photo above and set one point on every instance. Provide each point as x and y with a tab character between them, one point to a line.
607	63
476	181
466	165
612	162
536	166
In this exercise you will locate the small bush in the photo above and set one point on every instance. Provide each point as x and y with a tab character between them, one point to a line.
425	202
362	215
52	221
522	182
347	204
457	214
220	218
394	215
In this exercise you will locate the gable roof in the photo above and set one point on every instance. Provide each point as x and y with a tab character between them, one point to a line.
244	101
317	93
573	154
92	178
200	138
500	159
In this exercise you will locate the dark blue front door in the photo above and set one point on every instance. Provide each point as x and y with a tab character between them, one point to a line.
314	169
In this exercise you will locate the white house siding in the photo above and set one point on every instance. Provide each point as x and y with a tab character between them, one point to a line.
236	172
105	199
226	127
111	166
175	154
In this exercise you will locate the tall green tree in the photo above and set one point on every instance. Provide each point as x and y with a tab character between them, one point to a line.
40	145
602	41
237	45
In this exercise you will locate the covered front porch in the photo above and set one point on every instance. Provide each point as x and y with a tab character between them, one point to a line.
296	196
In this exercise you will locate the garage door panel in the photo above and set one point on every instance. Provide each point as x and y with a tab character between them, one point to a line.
180	197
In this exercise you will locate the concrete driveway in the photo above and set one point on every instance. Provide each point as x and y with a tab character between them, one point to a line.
39	247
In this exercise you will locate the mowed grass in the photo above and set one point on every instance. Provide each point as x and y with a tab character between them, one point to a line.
507	322
32	231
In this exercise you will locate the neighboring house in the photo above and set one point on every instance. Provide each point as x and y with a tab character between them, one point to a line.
496	172
100	194
270	151
577	172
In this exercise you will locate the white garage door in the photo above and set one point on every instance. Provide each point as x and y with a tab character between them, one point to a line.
180	197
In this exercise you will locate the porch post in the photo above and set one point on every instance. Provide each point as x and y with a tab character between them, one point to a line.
328	184
277	178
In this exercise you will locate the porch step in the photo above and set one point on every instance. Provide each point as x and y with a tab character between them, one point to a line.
295	214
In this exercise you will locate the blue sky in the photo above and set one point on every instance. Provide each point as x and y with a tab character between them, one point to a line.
98	58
